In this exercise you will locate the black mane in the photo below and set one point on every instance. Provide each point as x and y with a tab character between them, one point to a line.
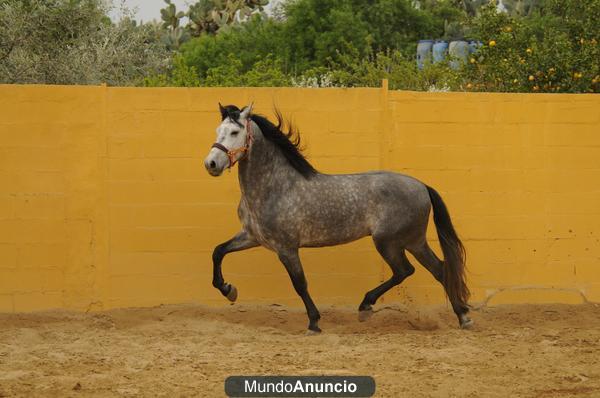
288	143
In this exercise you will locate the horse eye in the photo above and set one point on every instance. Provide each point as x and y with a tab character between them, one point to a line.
235	132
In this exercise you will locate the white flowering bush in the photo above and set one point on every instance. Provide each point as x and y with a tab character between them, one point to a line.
316	81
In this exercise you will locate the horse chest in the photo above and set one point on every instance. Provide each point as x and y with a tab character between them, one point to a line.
252	223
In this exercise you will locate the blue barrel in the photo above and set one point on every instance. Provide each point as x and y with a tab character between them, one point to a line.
440	48
424	52
474	46
459	52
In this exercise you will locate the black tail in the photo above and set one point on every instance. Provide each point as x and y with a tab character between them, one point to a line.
454	252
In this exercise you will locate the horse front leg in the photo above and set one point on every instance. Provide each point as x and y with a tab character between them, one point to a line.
291	261
241	241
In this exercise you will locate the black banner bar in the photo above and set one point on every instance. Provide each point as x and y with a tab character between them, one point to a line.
299	386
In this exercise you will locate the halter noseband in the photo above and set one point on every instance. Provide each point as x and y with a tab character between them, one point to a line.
231	153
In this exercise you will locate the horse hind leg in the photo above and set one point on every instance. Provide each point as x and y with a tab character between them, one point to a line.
435	266
394	255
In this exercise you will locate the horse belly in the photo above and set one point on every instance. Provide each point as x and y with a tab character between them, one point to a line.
331	232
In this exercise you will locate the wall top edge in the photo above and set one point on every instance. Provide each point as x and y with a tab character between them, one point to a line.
408	93
394	94
75	86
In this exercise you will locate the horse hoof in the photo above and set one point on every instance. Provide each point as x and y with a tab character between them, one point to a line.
467	325
311	332
364	315
232	295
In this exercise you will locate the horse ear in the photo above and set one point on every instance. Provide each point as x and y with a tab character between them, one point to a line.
246	111
223	112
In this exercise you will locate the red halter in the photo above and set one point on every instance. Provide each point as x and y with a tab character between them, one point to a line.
231	153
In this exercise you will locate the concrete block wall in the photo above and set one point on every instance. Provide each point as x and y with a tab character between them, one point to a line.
167	214
52	218
521	177
104	201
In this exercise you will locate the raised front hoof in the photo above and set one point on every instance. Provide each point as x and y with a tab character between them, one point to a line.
233	294
467	324
364	315
313	332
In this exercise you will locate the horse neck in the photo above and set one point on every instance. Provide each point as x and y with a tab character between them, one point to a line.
265	171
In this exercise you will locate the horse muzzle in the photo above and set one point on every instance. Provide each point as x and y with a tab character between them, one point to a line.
214	165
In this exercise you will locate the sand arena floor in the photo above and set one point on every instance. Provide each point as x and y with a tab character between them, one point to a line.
188	350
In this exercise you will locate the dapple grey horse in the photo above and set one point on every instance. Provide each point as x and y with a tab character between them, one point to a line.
286	204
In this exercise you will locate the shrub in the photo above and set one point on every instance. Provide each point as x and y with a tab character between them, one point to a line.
180	75
402	73
554	50
264	73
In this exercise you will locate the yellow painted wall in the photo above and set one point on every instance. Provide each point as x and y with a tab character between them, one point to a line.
104	201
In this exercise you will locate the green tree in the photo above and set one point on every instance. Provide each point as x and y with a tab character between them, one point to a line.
74	42
318	31
250	42
534	46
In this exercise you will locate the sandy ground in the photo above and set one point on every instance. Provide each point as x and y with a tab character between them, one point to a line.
188	350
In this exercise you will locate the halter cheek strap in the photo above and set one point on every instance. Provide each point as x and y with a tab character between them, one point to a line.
232	153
